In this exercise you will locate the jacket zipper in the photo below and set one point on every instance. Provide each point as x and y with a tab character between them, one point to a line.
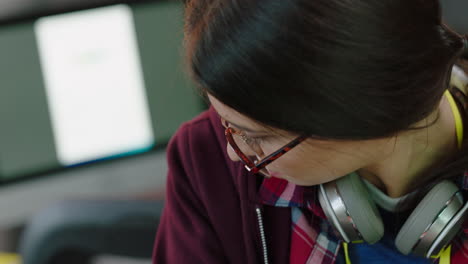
262	234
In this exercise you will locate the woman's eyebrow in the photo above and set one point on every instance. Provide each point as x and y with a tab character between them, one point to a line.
245	129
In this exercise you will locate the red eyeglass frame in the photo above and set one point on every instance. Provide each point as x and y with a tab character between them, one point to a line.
257	166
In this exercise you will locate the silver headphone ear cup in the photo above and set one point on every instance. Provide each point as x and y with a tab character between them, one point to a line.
361	208
449	232
410	236
334	209
350	209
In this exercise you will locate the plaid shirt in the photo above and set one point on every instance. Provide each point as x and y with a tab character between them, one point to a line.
309	223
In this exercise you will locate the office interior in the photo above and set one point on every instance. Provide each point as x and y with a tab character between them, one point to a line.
91	92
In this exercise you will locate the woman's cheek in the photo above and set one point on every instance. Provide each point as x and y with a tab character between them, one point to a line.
285	166
302	171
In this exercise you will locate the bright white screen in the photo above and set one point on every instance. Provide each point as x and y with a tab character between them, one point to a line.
94	84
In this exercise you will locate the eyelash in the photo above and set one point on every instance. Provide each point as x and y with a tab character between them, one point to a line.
256	140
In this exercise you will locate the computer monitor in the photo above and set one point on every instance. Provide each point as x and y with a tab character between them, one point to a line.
91	85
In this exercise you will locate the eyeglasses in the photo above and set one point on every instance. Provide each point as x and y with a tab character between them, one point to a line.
254	164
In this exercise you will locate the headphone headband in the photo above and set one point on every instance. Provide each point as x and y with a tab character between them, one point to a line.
464	53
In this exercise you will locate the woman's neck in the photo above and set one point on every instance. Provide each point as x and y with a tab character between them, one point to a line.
414	154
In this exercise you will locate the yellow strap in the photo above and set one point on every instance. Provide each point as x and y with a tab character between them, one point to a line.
444	255
346	253
9	258
457	117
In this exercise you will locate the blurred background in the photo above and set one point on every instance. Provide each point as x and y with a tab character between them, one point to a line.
90	93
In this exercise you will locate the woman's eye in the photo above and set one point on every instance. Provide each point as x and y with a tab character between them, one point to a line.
256	140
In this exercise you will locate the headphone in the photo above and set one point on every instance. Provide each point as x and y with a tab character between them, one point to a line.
465	47
430	227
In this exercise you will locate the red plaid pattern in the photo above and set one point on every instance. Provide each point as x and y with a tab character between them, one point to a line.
312	238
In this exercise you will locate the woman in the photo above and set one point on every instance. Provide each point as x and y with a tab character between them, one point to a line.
347	115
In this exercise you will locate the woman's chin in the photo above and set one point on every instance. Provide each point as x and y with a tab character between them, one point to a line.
302	182
297	181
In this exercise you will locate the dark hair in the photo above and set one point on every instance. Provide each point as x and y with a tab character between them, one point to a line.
327	68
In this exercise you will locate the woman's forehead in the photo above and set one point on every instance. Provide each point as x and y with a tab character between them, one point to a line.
232	116
245	123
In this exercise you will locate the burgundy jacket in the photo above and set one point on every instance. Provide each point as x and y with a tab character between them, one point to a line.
211	214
